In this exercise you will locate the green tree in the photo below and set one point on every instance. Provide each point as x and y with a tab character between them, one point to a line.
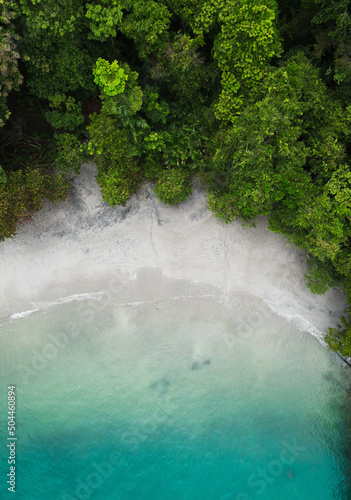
105	18
339	339
247	41
23	193
110	77
146	23
10	77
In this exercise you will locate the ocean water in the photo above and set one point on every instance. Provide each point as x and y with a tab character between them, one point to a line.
184	397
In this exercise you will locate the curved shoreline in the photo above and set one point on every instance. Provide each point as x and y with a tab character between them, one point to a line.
71	247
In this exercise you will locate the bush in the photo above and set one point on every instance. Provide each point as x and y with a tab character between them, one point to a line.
2	176
12	205
339	340
153	168
321	275
173	186
115	189
57	187
118	183
223	206
24	192
70	153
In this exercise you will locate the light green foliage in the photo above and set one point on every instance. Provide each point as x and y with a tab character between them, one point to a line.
129	101
173	186
52	17
132	99
105	18
114	187
121	95
247	41
259	160
106	137
156	141
110	77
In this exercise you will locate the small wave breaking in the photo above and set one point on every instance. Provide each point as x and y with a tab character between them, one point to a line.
39	306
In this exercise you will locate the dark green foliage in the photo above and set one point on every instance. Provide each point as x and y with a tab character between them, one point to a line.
66	113
20	149
3	178
181	66
10	77
156	109
321	275
70	153
23	193
180	146
339	339
146	24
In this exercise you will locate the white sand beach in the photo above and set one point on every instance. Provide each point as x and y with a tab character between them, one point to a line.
71	248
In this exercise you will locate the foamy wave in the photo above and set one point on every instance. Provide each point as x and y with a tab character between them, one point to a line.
302	324
39	306
24	314
71	298
168	299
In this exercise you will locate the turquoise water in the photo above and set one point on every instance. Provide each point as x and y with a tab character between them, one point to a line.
187	398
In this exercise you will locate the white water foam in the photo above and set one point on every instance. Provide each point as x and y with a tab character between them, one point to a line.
23	314
39	306
304	325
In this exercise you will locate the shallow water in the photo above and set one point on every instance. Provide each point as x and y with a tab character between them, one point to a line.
192	394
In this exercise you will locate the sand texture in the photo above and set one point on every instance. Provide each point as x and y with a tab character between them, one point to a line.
71	248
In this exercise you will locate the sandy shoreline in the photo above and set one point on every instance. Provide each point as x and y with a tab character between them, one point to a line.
74	247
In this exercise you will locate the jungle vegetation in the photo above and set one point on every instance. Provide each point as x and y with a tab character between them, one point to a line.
250	96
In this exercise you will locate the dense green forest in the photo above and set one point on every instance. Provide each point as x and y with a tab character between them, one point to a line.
250	96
